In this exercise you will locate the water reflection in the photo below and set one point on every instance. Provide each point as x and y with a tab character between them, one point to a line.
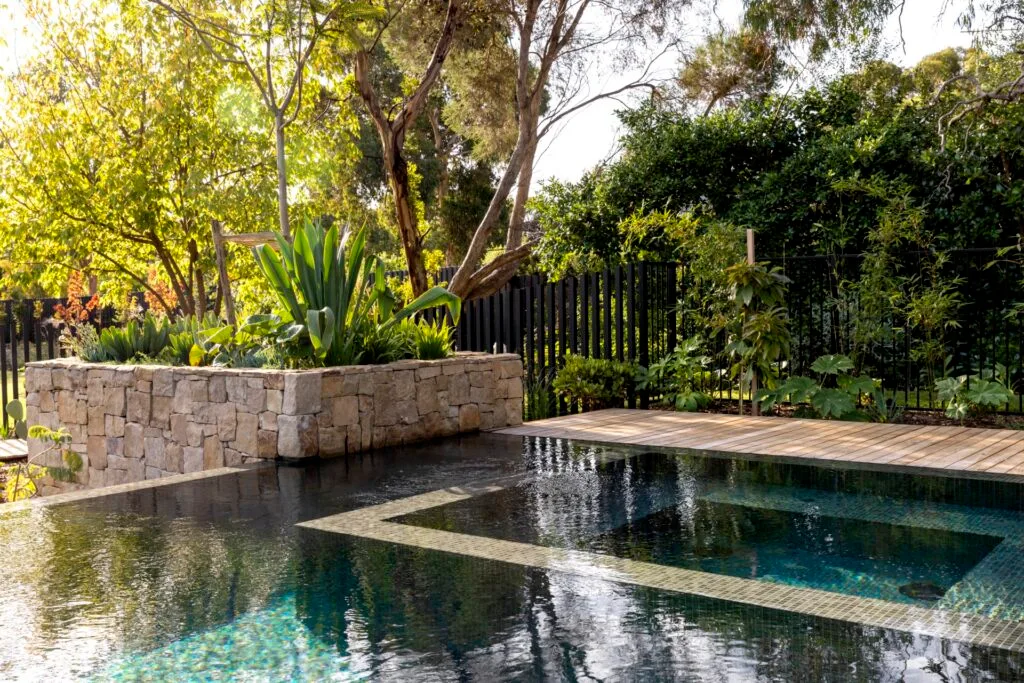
173	580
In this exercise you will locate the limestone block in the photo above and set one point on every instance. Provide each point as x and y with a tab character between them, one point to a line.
232	458
192	459
114	477
163	382
331	386
301	393
213	453
268	421
514	411
115	445
139	406
96	450
94	391
96	419
134	444
71	411
114	401
428	372
481	395
218	389
427	397
469	417
113	425
332	440
153	472
404	382
160	412
179	428
155	448
297	435
458	390
38	379
173	458
345	411
246	433
510	368
266	444
275	398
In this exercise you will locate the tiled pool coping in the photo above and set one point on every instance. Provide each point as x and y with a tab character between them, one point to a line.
372	523
88	494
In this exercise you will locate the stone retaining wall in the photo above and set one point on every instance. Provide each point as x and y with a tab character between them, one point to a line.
135	422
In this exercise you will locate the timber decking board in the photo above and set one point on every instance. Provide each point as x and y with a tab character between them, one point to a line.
961	449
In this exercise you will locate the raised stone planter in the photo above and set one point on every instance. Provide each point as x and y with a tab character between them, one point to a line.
135	422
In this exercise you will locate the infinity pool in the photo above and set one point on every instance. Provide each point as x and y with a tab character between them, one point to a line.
214	580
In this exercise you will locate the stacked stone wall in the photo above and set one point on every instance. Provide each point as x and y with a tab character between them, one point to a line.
136	422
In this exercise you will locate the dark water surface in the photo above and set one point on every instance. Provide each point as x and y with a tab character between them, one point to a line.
212	580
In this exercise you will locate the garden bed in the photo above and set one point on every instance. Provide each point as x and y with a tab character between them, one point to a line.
135	422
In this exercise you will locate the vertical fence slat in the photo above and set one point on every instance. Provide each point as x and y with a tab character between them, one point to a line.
606	315
595	318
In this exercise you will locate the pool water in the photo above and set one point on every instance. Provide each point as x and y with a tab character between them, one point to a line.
213	580
667	520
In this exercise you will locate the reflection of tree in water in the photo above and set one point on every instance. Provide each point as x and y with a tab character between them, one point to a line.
417	615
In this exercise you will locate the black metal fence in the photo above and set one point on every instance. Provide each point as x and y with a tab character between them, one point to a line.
625	313
985	335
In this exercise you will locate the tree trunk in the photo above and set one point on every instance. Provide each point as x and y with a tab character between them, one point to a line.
398	172
514	238
282	176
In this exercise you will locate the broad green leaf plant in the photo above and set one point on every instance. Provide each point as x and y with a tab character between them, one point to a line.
836	394
332	293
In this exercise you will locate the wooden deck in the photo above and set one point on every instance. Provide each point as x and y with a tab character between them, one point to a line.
957	449
13	449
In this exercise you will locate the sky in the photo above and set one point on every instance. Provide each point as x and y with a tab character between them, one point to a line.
589	137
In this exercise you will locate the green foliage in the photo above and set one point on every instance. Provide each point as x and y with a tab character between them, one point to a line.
783	166
334	295
594	383
382	344
20	480
678	377
223	345
835	394
538	398
145	339
16	411
432	342
756	328
970	397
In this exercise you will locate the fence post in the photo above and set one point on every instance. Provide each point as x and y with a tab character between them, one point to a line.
645	337
755	409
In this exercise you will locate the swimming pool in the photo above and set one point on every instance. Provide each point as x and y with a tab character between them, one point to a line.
217	579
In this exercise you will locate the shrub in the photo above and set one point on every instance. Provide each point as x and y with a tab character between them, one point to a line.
677	377
835	394
594	382
972	397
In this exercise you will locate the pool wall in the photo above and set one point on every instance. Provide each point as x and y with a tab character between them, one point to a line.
135	422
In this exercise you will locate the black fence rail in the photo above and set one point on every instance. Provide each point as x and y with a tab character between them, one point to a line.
627	313
29	332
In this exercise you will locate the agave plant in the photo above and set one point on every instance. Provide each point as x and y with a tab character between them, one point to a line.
332	292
